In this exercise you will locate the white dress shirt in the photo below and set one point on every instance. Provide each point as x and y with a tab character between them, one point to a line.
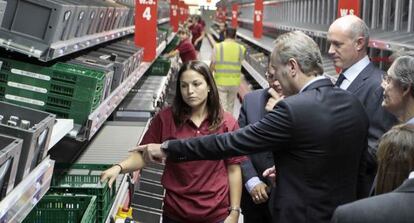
352	72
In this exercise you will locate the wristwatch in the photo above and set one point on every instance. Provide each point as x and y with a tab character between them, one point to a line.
164	147
238	209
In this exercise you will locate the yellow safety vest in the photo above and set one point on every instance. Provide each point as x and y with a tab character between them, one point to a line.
229	56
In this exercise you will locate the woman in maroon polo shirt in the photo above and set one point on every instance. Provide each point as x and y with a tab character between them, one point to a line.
185	48
197	191
197	32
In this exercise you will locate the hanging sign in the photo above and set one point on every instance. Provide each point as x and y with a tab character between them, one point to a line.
146	23
258	19
234	12
349	7
174	15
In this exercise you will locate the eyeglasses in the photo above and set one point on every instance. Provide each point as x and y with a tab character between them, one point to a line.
269	76
386	78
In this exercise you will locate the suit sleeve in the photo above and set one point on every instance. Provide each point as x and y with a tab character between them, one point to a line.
273	132
248	170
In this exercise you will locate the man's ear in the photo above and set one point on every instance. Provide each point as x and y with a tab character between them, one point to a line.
360	43
293	66
406	91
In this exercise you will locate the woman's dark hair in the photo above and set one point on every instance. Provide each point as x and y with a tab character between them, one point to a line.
395	158
181	110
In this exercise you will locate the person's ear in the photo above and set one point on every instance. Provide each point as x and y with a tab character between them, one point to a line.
360	43
293	66
406	90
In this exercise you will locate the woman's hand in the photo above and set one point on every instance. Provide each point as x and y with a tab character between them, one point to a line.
233	217
110	175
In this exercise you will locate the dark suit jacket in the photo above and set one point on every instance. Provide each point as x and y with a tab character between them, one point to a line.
317	137
367	88
396	206
252	111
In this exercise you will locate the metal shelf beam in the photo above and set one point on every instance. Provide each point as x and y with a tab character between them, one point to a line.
99	116
259	78
21	200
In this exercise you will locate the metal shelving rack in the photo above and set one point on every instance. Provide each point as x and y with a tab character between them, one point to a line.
20	201
62	48
391	22
99	116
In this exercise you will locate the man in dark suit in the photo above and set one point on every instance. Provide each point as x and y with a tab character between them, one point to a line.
317	135
254	201
395	206
349	36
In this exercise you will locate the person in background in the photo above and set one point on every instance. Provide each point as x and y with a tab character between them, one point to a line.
197	32
256	105
185	48
226	60
395	192
222	28
201	22
398	84
199	191
317	134
349	37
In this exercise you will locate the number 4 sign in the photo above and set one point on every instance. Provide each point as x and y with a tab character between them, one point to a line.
146	27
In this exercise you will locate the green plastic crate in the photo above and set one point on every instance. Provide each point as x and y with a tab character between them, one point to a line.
65	79
63	208
84	179
172	45
160	67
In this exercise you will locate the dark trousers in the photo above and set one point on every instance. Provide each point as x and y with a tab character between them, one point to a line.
254	213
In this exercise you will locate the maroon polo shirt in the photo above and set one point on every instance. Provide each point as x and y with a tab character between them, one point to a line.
196	191
196	31
187	51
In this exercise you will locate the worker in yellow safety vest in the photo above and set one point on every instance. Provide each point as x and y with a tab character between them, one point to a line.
226	62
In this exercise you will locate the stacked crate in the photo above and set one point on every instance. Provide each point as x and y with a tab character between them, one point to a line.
33	127
67	90
84	179
64	208
10	149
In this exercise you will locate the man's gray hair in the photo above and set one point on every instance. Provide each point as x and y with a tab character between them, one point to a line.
360	29
403	69
303	49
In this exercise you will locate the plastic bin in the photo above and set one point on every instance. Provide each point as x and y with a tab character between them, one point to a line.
84	179
64	208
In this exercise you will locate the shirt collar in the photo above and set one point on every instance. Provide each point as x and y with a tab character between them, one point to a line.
352	72
312	81
410	121
411	176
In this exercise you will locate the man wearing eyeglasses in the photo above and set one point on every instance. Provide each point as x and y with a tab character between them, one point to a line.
349	37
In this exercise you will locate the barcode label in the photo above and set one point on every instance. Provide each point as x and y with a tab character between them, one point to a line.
27	87
30	74
24	100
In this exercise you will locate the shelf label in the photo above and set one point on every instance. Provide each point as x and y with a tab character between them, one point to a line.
24	100
234	12
30	74
258	19
27	87
349	7
146	28
174	14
